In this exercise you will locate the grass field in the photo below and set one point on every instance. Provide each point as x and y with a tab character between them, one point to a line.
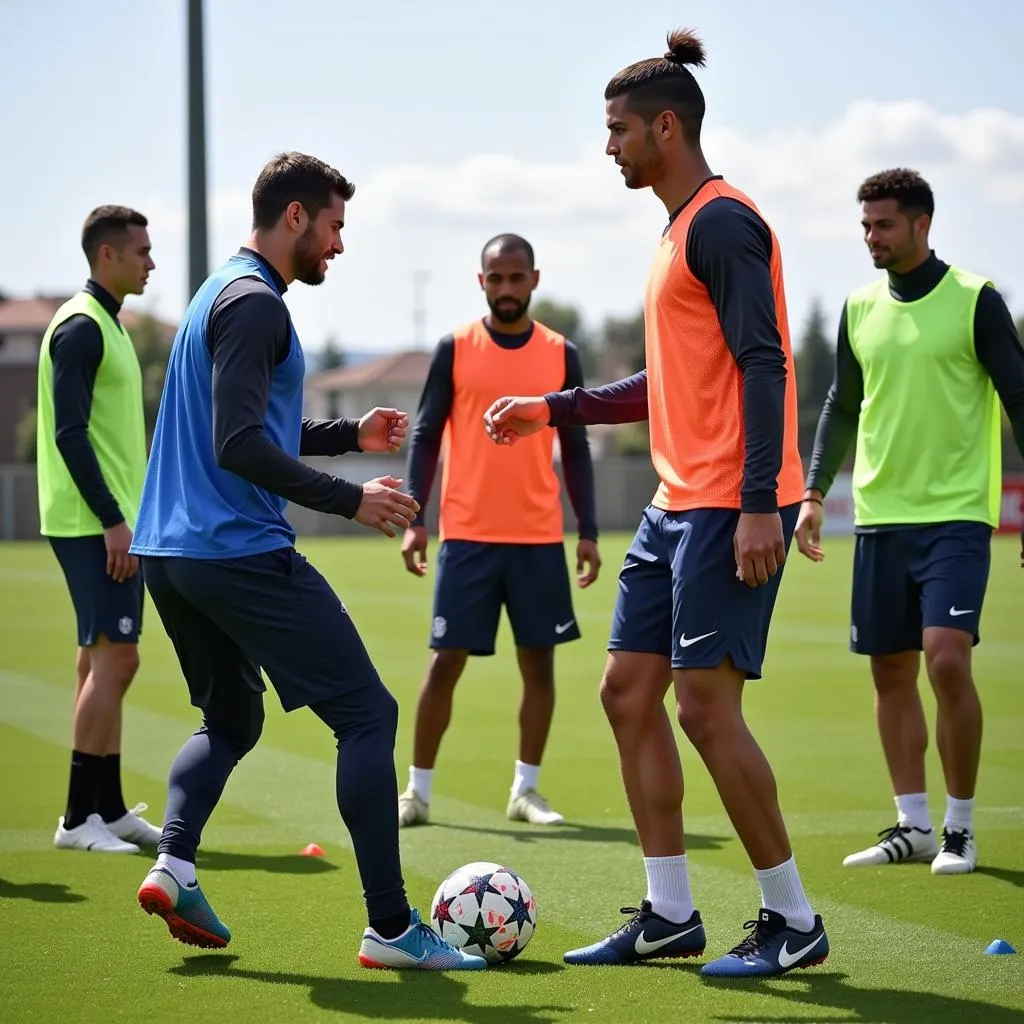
906	946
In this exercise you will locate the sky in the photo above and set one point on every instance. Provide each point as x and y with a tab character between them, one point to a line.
461	120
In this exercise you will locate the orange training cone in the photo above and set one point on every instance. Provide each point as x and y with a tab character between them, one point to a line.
313	850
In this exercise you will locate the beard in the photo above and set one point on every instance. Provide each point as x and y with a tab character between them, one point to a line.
648	171
307	259
508	310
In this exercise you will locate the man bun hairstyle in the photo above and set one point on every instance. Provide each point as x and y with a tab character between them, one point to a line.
907	187
666	83
296	177
108	225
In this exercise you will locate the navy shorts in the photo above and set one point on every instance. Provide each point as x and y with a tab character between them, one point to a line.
103	607
679	596
475	579
229	618
907	579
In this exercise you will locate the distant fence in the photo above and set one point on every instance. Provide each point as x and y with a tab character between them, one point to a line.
624	485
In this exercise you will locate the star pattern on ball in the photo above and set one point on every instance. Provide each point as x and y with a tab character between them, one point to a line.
519	909
443	913
479	887
477	934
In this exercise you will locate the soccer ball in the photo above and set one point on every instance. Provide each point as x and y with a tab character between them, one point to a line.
485	909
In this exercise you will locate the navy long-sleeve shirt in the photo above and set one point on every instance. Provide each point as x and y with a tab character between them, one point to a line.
729	250
249	334
435	408
76	351
995	343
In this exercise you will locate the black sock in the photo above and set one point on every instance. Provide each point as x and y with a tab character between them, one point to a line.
83	786
391	927
109	801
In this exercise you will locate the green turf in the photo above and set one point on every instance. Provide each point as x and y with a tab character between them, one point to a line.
906	946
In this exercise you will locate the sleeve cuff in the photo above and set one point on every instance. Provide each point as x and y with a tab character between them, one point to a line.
348	436
759	502
350	497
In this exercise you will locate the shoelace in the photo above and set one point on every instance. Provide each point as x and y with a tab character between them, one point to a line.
888	834
753	942
955	842
431	938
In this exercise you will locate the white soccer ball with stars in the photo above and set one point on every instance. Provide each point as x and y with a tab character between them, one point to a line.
485	909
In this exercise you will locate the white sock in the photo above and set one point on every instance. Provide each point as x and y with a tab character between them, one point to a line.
912	809
184	871
959	814
421	779
525	778
668	888
783	892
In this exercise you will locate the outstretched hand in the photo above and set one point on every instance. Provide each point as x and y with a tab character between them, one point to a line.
383	430
509	419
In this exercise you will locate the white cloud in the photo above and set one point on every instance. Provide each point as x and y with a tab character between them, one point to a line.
593	237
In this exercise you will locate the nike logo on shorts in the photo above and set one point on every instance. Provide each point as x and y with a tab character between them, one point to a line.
954	611
560	629
683	642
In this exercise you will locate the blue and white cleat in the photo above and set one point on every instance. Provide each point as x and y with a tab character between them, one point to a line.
184	909
418	948
646	936
771	949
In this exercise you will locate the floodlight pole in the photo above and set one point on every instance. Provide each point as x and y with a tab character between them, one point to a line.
197	228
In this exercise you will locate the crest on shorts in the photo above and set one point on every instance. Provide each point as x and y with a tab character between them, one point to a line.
125	625
440	627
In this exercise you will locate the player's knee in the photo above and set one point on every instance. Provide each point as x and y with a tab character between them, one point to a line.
114	665
241	730
445	669
895	674
623	703
949	669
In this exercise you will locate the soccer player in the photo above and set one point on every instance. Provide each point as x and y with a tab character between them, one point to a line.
233	593
501	534
91	439
923	352
699	583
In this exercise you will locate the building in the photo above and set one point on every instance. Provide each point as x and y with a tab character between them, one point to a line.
393	381
23	323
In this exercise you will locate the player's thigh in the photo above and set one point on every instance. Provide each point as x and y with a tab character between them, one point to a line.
103	607
885	610
285	616
468	595
950	564
222	679
538	595
716	616
642	615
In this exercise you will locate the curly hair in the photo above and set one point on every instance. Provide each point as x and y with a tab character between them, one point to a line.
908	188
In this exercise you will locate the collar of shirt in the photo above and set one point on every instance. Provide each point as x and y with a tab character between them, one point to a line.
253	254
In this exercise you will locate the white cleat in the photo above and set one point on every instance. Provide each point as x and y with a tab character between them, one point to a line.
93	835
532	807
899	844
412	810
134	829
959	853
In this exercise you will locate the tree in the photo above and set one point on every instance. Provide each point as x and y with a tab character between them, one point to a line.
623	343
152	346
332	356
815	362
25	437
568	321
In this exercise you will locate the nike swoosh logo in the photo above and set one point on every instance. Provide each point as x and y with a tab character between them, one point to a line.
787	959
642	946
683	642
960	611
562	629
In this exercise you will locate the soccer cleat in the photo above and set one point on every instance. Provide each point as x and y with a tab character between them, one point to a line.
646	936
772	948
418	948
532	807
184	909
959	853
901	843
93	834
134	829
412	810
